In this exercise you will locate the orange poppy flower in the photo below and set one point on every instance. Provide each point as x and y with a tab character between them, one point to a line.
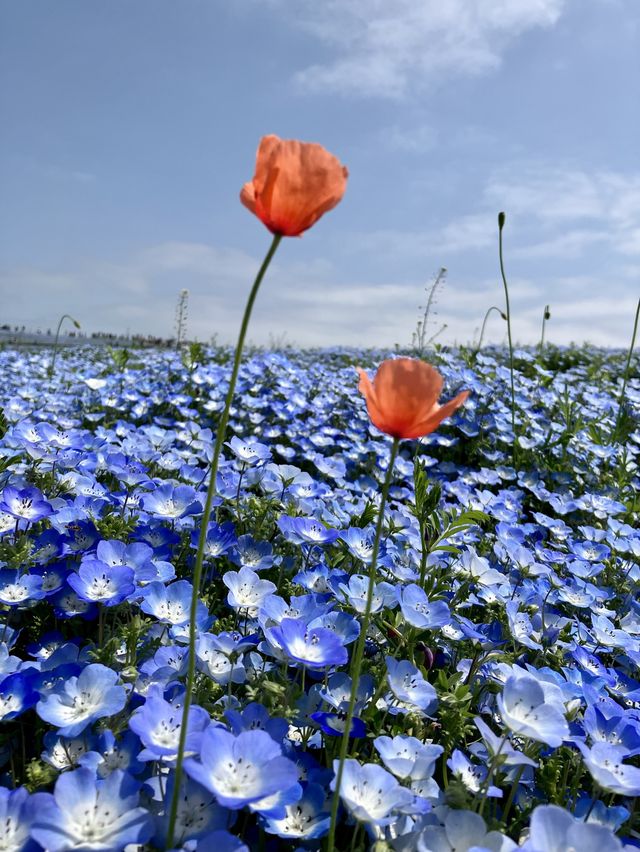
294	185
403	398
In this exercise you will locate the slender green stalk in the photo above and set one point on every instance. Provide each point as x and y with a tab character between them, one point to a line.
501	221
55	342
626	374
546	315
484	323
356	663
197	571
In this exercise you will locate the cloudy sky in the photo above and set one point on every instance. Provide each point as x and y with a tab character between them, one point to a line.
129	127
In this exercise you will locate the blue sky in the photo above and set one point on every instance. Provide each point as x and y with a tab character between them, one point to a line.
129	127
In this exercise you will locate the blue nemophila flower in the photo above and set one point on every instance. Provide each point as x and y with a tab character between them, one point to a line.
199	814
171	657
610	636
605	763
597	812
241	770
307	531
552	829
308	607
590	551
478	569
247	591
524	710
17	694
171	502
360	543
248	553
223	663
522	628
408	757
306	819
411	693
248	452
99	583
457	831
345	626
370	793
121	753
18	589
66	752
419	611
53	576
220	538
255	717
337	694
314	647
89	813
16	816
47	546
25	504
80	536
171	604
495	745
472	776
355	592
67	604
79	701
158	722
622	729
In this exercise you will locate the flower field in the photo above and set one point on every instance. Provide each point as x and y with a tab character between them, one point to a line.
482	693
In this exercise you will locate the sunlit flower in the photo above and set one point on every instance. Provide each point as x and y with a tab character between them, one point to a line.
402	400
294	185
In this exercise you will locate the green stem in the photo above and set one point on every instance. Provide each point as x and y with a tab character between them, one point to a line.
512	794
501	220
545	316
358	655
626	374
484	324
55	342
197	571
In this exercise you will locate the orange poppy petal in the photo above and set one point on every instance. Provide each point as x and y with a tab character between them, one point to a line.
434	419
248	197
407	391
294	185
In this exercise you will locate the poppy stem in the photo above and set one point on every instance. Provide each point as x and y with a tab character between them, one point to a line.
356	663
484	324
52	365
546	315
501	220
197	571
625	379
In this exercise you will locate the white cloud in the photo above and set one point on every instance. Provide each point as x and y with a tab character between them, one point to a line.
309	304
384	48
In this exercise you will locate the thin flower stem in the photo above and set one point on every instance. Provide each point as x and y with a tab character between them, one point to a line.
484	324
197	571
358	655
626	374
501	220
52	366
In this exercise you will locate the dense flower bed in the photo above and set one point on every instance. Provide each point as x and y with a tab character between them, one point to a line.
499	705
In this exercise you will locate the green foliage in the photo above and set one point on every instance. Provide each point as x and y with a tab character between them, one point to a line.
192	355
367	516
4	423
16	554
116	526
455	714
39	775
